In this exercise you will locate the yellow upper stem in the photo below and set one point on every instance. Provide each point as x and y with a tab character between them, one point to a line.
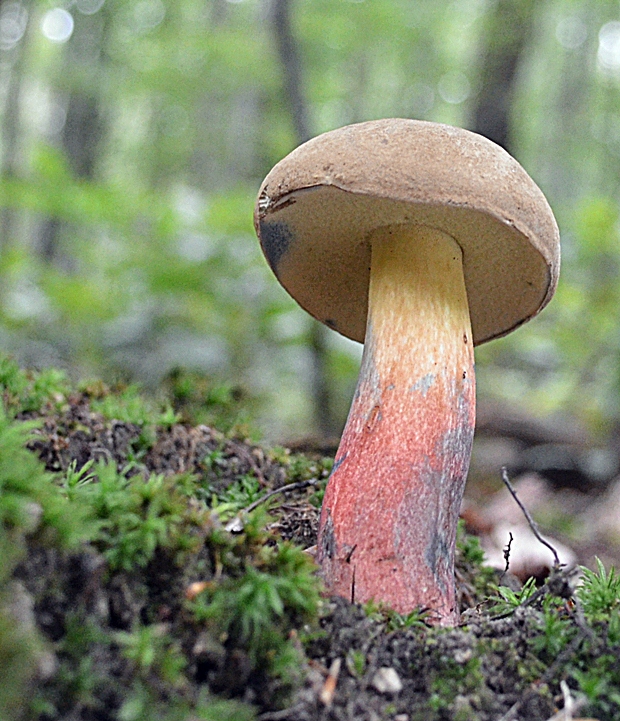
418	319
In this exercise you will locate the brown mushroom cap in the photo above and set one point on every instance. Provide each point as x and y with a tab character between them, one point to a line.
318	206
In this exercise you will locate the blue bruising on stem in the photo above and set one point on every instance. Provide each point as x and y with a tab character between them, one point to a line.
437	556
275	239
337	464
369	381
454	448
423	385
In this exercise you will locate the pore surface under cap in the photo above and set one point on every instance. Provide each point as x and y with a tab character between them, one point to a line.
318	206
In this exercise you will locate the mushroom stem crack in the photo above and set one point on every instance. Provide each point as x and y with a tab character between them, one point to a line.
400	471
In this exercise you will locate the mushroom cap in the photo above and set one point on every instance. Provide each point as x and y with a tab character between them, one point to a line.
318	206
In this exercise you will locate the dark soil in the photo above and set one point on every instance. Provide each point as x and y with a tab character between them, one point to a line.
354	665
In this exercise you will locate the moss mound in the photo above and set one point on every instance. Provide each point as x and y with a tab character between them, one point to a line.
157	569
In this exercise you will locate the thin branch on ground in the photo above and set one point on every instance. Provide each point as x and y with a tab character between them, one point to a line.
571	705
235	525
283	489
532	523
507	553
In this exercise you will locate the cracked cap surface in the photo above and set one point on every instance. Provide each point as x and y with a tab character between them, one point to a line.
317	207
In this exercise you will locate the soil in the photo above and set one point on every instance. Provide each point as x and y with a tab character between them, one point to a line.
355	666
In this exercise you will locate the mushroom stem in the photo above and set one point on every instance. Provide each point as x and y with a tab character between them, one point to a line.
388	523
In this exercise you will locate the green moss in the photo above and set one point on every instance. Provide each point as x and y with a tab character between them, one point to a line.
237	496
32	510
26	391
259	590
599	592
129	405
133	517
197	400
479	579
393	620
20	647
265	592
452	679
242	604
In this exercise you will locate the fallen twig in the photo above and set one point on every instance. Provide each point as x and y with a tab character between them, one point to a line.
507	554
326	695
236	524
571	705
532	523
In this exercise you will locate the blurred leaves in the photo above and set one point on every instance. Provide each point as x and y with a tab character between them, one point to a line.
127	247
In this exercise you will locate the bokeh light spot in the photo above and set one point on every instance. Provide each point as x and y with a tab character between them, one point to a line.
57	25
608	55
454	87
13	21
571	32
89	7
147	15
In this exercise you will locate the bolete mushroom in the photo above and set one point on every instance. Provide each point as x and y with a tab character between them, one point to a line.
420	240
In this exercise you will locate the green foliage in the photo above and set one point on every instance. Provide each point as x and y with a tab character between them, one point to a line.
258	594
29	502
393	620
261	599
598	678
129	248
246	489
151	651
513	599
600	681
198	401
599	592
300	467
469	546
154	664
475	575
25	391
31	508
556	631
134	517
593	636
237	496
78	678
154	264
130	405
221	710
452	679
356	662
19	650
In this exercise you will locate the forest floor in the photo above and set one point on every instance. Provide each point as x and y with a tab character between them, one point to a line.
148	572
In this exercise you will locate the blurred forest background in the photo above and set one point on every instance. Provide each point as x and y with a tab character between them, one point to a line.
135	134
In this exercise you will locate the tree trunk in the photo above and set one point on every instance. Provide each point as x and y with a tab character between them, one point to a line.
83	130
317	341
509	29
10	128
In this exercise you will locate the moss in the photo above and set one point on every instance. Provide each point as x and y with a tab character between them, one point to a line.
123	596
197	400
107	554
476	582
27	391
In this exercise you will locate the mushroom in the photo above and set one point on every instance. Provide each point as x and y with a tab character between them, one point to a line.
420	240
